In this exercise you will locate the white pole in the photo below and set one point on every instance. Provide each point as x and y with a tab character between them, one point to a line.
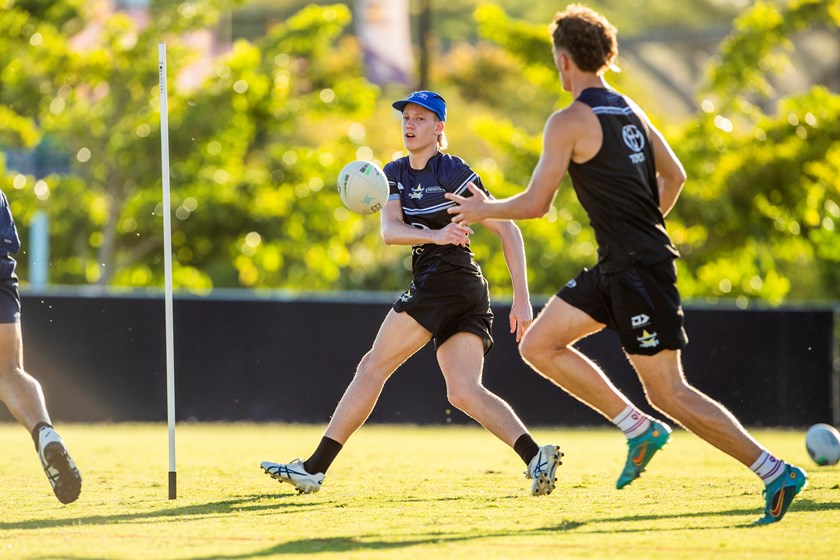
167	267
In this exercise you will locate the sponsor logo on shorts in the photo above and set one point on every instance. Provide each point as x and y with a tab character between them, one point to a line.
408	294
648	340
639	321
571	283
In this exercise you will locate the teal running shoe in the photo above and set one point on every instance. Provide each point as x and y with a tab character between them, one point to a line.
779	494
641	451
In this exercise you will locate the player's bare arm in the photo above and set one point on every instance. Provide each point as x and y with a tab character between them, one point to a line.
521	312
395	231
559	138
670	174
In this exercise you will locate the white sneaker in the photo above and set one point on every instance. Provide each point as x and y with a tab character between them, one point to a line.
541	470
294	474
59	466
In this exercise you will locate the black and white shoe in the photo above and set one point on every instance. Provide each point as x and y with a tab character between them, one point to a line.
59	466
293	473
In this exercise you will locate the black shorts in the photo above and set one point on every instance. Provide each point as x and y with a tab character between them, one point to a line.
9	296
641	304
447	299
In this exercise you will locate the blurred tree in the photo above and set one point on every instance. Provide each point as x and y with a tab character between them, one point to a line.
758	217
251	150
86	85
257	143
763	207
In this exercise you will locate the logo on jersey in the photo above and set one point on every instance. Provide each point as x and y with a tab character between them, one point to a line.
648	340
571	283
418	191
638	321
635	140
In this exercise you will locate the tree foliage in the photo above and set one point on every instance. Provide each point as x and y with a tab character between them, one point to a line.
259	133
758	217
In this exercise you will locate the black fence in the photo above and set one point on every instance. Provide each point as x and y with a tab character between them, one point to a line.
103	359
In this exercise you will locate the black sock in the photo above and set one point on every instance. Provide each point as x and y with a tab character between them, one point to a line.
37	429
323	457
526	447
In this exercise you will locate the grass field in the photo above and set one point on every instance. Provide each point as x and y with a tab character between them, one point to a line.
400	492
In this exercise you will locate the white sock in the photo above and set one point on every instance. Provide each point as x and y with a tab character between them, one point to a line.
767	467
632	422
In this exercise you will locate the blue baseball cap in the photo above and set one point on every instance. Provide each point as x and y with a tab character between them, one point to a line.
428	99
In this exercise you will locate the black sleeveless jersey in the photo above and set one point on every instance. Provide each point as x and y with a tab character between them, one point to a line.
618	187
420	191
9	241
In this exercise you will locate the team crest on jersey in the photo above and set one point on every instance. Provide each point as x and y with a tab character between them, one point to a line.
635	140
416	192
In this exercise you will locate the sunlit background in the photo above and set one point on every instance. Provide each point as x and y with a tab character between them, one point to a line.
268	99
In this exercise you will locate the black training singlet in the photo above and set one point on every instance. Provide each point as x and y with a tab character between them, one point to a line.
9	240
420	192
618	187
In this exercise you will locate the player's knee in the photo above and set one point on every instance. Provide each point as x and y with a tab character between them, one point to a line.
530	348
537	351
366	368
12	372
669	397
463	397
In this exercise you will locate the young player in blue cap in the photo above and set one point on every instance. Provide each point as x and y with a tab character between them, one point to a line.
448	302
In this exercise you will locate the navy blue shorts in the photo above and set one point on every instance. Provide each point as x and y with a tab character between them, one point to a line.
641	304
447	299
9	296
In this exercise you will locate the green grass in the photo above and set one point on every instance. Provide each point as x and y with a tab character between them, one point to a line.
400	492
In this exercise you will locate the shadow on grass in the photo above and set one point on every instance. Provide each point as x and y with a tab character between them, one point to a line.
378	542
239	504
375	542
801	505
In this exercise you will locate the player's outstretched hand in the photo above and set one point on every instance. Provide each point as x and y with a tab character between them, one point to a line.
453	234
468	209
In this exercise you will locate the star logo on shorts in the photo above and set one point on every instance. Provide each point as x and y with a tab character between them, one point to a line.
408	294
648	340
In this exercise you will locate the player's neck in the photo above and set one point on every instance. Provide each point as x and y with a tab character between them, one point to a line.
419	158
587	80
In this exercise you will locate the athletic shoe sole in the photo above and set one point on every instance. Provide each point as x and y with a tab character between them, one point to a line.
62	472
545	483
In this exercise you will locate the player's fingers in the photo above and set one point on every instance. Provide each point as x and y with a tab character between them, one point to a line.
520	330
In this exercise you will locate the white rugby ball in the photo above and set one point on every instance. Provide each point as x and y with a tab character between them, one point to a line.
823	444
363	187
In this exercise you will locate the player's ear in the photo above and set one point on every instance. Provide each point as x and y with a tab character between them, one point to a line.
439	127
